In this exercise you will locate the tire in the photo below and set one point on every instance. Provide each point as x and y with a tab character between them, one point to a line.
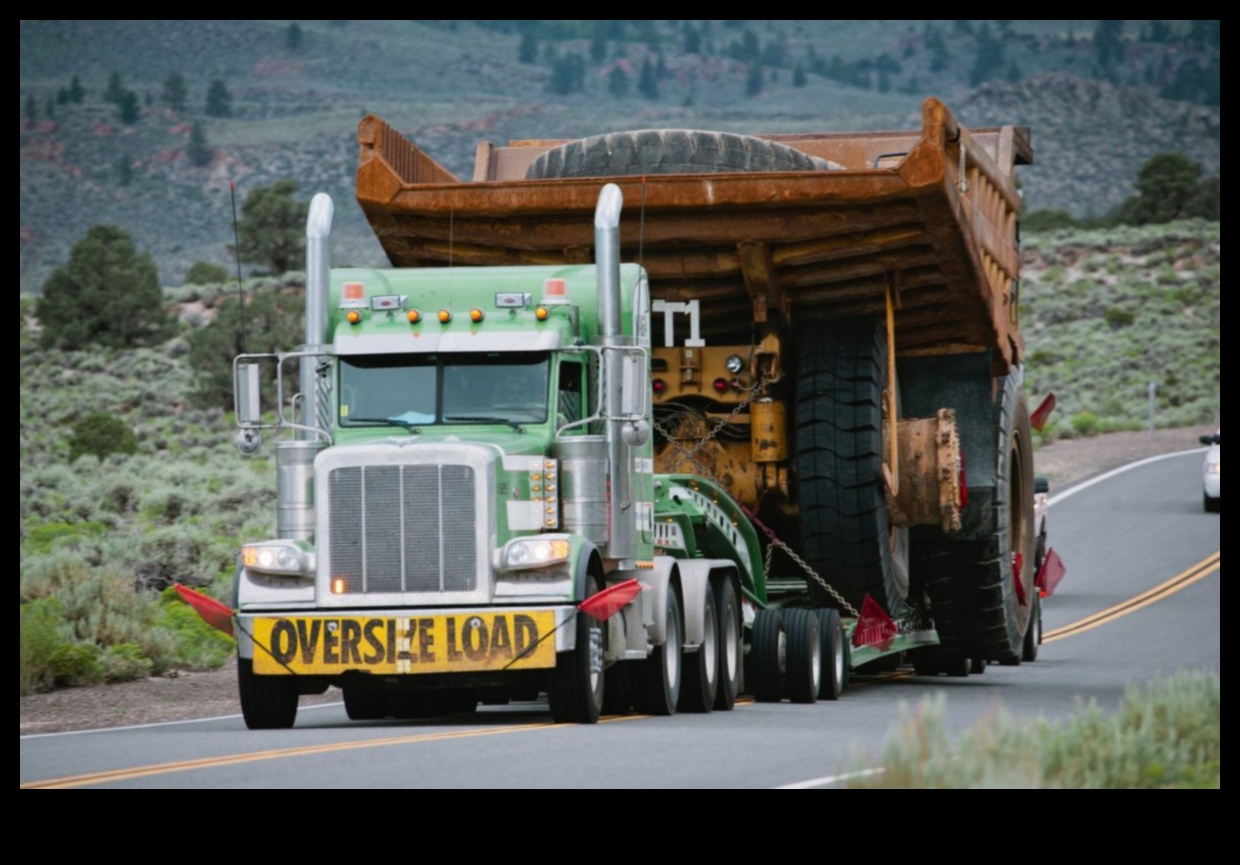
803	675
1033	635
731	646
835	655
267	702
701	669
841	376
1000	620
977	666
659	679
769	651
669	151
365	704
576	684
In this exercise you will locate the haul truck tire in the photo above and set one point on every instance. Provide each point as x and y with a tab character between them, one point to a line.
267	702
659	676
701	668
841	377
576	687
731	646
669	151
1003	596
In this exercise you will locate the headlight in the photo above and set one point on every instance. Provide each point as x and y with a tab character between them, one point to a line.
734	364
274	558
535	552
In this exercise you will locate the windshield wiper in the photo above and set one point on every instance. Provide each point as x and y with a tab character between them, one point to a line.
404	424
485	419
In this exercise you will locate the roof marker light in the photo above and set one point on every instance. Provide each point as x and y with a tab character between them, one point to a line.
541	313
445	316
475	314
353	316
414	316
555	291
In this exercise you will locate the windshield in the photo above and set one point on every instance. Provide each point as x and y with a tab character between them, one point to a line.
413	390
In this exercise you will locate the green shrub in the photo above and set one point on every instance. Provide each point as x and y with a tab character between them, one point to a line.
1166	734
101	434
77	664
205	273
1118	318
125	663
1085	423
41	630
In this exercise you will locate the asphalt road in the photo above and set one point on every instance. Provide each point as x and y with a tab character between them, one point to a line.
1141	599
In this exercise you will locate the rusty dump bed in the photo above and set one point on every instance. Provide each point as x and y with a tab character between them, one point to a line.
930	214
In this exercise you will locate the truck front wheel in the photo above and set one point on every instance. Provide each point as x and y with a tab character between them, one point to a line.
267	702
576	692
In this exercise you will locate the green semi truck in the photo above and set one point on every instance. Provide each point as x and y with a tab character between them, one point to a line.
647	421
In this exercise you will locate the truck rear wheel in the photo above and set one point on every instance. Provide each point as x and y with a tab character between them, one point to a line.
840	425
267	702
702	667
659	676
669	151
731	646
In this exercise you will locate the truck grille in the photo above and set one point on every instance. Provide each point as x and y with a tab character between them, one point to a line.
404	528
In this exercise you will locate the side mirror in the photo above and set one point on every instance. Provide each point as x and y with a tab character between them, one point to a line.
249	410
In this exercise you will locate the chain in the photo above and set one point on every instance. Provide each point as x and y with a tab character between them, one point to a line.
776	542
690	455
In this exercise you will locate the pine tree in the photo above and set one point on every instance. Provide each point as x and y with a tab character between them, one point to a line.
754	79
108	294
647	84
617	82
527	48
115	90
77	93
198	151
272	227
130	111
174	93
219	100
292	37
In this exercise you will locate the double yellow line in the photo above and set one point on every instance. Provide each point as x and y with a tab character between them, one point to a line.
1181	580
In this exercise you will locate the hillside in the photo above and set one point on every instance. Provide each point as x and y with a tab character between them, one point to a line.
296	90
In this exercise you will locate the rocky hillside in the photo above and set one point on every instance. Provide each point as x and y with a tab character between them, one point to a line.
1100	98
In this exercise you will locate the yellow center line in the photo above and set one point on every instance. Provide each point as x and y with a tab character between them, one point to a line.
1182	580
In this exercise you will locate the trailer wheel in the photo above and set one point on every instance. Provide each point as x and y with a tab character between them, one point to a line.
702	667
804	668
576	685
659	680
840	426
1004	594
769	653
670	151
835	658
267	702
731	646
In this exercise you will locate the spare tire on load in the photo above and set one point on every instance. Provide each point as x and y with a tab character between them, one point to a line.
670	151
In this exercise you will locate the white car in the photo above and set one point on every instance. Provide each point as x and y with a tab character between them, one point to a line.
1212	471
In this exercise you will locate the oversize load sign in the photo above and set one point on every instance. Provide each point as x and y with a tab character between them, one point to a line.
404	645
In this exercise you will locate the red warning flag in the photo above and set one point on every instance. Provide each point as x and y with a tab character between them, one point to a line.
1050	573
605	604
1037	420
212	611
874	627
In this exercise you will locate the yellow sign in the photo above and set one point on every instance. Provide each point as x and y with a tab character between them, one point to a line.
405	645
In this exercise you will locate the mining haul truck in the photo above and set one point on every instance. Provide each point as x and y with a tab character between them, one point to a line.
649	420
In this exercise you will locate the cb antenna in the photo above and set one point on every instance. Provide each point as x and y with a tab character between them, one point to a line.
232	191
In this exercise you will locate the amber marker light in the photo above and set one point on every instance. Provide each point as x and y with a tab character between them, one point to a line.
541	313
475	314
353	316
445	316
414	316
338	585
